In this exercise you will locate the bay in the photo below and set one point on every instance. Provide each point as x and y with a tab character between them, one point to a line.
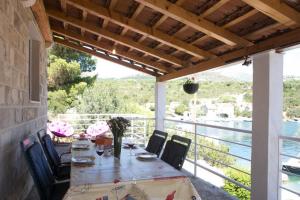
290	128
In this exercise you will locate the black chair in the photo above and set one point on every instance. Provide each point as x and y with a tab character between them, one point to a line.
63	148
176	150
156	142
40	171
60	169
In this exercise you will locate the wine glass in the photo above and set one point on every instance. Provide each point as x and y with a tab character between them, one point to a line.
100	151
130	144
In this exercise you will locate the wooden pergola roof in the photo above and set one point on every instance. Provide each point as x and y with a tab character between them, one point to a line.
170	39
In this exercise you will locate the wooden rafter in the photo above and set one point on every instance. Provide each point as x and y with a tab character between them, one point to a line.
160	21
277	10
99	45
272	43
39	12
114	37
215	7
111	6
230	24
134	15
207	12
198	23
106	57
255	33
85	35
63	5
84	16
241	18
137	11
140	28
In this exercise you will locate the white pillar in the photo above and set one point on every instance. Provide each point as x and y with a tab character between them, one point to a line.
267	125
160	105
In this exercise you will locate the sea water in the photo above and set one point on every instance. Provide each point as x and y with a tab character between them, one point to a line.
290	128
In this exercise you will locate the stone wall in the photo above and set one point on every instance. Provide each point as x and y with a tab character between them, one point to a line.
18	115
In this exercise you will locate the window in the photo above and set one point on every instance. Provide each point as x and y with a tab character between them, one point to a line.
34	70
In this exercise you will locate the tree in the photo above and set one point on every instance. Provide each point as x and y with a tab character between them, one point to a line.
86	62
65	83
61	74
179	110
234	189
58	101
227	99
108	97
215	157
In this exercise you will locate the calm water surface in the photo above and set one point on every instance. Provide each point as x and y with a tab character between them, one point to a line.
288	147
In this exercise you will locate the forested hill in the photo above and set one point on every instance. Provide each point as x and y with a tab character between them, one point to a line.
70	91
136	94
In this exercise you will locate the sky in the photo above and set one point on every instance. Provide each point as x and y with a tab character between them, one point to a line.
107	69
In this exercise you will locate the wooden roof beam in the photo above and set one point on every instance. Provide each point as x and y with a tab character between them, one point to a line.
140	28
231	23
84	16
255	33
41	18
114	37
137	11
63	5
196	22
99	45
106	57
215	7
277	10
287	39
135	14
112	4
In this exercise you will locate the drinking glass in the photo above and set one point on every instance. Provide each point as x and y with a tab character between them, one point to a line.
100	151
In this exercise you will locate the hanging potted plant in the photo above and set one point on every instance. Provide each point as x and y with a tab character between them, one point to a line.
190	86
118	126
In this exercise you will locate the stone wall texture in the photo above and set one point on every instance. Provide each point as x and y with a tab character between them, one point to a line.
19	116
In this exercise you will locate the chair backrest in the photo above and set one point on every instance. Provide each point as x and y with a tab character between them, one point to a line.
38	167
176	150
156	142
51	153
41	133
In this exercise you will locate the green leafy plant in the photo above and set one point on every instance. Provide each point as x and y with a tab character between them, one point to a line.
118	126
234	189
190	86
179	110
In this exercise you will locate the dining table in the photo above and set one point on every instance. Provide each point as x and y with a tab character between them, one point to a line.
125	178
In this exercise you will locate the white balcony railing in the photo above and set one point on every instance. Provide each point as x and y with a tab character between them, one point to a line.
140	127
194	132
197	160
285	141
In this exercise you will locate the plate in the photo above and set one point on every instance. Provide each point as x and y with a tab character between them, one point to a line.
126	146
87	160
80	146
146	156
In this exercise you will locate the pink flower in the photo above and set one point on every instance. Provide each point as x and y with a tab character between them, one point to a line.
60	129
97	129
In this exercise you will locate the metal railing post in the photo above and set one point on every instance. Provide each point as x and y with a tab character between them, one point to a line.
195	150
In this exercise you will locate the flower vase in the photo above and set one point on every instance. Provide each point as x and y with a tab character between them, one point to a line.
117	146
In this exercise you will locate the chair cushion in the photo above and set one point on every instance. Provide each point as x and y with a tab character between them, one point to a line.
53	156
174	154
59	190
40	170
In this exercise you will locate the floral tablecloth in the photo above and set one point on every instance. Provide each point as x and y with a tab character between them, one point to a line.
175	188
